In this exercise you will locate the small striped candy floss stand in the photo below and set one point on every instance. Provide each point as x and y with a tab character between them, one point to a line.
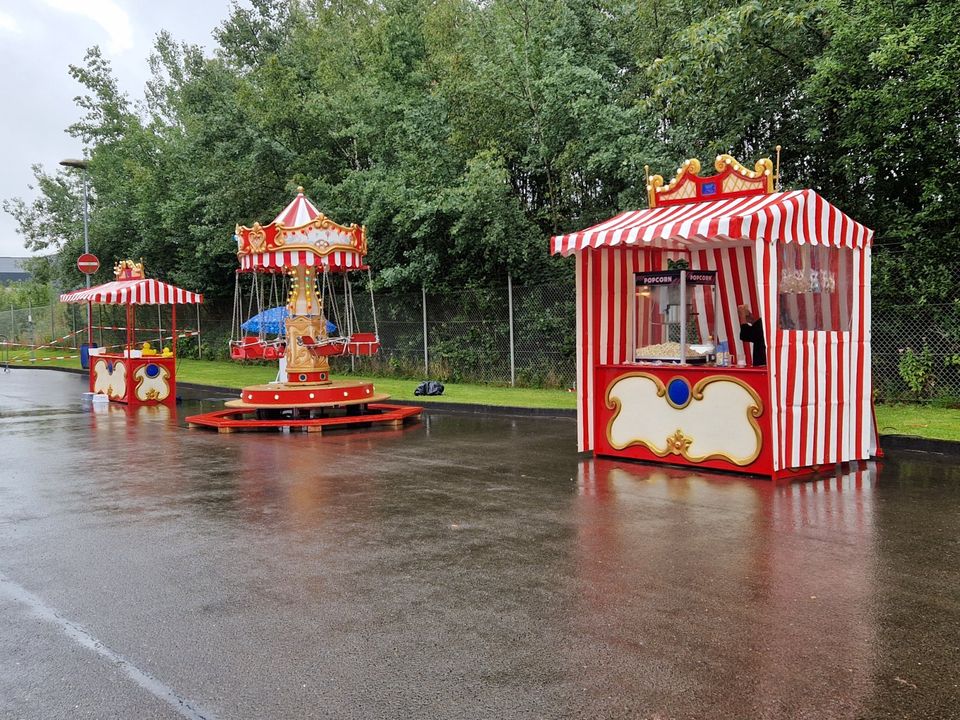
132	376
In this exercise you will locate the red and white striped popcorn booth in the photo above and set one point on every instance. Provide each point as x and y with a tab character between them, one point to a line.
131	376
659	292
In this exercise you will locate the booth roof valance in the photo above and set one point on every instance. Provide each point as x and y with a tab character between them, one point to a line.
141	291
799	216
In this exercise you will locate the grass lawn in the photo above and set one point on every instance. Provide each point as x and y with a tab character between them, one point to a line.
918	420
236	375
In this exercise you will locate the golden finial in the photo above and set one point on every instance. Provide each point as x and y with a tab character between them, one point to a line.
651	196
776	171
299	189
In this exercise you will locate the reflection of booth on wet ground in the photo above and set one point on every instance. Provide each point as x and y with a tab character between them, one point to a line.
801	266
130	375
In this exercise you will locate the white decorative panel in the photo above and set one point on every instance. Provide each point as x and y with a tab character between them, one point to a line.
714	419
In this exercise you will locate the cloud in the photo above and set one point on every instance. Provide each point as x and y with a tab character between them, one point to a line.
105	13
9	23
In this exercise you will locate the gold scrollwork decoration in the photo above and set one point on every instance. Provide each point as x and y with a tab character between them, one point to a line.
762	176
160	384
257	238
655	182
762	170
678	443
128	270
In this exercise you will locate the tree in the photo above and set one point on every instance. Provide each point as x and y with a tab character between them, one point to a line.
463	134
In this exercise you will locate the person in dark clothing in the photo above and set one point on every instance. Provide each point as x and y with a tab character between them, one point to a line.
751	331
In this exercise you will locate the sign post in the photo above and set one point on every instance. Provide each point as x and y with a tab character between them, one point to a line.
88	264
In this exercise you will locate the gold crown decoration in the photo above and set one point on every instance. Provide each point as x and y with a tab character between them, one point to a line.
128	270
732	180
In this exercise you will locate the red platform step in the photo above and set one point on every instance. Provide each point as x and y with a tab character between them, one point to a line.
239	419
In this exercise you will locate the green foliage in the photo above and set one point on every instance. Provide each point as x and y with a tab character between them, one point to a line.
916	369
463	134
34	292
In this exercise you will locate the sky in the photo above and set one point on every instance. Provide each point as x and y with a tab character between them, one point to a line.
39	39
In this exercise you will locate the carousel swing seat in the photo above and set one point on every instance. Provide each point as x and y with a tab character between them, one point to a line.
363	344
252	347
356	344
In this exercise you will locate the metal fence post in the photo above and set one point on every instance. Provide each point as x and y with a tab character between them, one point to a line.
33	329
426	356
513	367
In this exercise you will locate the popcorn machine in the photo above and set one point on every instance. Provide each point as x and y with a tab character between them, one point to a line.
674	310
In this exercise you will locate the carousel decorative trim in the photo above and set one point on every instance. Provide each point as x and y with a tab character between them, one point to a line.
684	437
762	169
320	236
110	378
655	182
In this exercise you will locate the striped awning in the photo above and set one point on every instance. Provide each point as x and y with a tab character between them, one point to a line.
133	292
337	260
799	216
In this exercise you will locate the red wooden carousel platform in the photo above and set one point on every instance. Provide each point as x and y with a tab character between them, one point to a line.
310	407
306	395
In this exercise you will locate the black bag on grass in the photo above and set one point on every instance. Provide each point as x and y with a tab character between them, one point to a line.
429	387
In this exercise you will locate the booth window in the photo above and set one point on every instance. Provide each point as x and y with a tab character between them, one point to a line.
815	287
674	307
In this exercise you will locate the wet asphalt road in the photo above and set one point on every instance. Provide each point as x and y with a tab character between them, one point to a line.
466	567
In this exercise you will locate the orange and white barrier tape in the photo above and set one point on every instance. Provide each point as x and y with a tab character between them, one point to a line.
45	359
47	345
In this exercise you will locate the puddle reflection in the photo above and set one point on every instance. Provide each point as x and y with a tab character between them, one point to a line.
734	578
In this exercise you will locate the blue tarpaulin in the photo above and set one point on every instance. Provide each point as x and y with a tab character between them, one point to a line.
270	322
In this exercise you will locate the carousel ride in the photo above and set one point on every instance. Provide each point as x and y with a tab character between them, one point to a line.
299	256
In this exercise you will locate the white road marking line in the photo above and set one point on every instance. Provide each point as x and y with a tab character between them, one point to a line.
84	638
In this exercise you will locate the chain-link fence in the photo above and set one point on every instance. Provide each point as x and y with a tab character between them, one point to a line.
916	353
501	335
52	327
504	334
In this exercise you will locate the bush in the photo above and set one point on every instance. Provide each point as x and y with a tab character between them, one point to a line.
916	369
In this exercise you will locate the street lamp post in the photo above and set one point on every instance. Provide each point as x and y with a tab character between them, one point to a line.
83	165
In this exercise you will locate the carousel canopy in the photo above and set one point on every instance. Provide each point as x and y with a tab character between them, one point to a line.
141	291
300	235
300	211
800	216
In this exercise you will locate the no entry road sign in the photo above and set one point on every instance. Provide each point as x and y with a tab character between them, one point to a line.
88	263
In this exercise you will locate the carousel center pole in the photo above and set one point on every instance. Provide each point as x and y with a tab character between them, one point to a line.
305	308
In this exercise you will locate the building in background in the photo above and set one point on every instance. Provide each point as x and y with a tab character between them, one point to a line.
13	269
